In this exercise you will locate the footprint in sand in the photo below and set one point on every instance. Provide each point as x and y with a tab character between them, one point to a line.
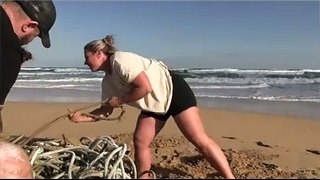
232	138
317	152
259	143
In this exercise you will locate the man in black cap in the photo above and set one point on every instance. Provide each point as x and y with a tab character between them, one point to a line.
21	21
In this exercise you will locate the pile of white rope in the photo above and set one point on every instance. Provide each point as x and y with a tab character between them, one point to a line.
98	158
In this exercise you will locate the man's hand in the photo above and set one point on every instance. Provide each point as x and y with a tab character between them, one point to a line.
26	55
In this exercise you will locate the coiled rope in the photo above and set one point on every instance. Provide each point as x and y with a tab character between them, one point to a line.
98	158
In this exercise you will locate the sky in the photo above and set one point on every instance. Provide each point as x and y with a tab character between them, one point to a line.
189	34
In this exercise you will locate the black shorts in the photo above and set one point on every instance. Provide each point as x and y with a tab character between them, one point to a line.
182	99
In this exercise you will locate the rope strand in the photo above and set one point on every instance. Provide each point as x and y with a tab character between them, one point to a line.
47	125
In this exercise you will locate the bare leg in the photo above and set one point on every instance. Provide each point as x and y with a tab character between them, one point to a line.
146	130
1	127
190	124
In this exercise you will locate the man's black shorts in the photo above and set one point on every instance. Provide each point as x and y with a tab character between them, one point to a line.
182	98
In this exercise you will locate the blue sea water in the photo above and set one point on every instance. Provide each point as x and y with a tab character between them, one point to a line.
212	87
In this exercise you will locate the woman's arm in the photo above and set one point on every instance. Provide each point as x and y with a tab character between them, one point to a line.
140	87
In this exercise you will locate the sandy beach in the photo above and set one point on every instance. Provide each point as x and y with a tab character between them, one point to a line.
257	145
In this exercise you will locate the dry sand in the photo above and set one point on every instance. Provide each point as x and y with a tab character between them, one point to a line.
256	145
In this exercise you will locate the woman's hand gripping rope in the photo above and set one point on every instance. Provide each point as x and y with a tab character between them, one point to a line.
45	126
76	116
98	114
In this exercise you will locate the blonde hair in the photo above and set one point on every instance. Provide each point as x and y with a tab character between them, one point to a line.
106	45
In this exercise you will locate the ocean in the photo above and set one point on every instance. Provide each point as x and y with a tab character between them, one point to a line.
280	91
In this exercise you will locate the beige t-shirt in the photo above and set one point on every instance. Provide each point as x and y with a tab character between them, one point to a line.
126	67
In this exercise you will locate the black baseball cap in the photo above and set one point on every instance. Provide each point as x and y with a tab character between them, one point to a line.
42	11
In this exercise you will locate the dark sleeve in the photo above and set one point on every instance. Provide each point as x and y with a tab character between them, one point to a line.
10	65
11	57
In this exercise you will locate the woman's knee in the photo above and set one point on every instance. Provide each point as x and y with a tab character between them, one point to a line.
202	142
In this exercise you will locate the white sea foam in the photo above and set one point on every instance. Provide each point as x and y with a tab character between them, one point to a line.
229	83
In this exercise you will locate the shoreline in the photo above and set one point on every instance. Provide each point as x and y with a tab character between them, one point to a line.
295	109
283	108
